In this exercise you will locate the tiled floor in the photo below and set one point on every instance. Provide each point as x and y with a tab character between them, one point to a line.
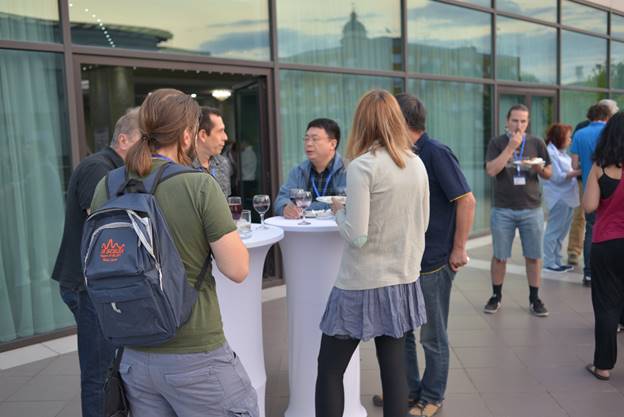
507	365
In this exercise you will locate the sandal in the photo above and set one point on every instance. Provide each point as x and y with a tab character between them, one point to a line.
592	370
426	410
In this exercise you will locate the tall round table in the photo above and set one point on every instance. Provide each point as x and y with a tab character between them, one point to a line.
311	257
241	309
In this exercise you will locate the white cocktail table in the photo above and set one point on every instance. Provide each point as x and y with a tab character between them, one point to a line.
241	309
311	257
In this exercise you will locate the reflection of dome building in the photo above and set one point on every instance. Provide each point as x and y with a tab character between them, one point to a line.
353	31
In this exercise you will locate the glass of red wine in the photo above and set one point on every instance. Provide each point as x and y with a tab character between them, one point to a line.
236	207
261	204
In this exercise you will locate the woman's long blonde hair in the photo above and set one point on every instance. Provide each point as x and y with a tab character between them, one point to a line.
379	123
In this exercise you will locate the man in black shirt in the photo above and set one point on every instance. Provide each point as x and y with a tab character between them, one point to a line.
94	352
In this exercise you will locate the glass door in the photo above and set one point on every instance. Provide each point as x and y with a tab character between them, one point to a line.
541	104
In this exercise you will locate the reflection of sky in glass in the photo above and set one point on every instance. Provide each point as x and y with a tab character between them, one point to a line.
232	29
30	20
539	9
433	26
485	3
525	51
306	29
617	25
617	65
583	17
574	105
583	60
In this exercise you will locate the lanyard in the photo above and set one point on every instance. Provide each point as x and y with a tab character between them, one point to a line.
162	157
324	188
518	157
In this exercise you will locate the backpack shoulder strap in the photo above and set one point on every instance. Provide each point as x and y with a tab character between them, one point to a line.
115	180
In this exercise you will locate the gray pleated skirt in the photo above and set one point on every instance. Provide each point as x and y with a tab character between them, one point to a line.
365	314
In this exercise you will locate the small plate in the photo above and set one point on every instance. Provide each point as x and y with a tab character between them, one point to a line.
318	214
327	199
534	161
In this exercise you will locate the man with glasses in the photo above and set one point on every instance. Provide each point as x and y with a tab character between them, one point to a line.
322	173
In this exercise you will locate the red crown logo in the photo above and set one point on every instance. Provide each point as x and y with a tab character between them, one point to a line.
111	251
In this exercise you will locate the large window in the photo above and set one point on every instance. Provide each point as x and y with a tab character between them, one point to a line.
583	60
32	20
617	65
468	106
435	47
228	29
525	51
34	166
363	34
583	17
617	25
538	9
307	95
574	105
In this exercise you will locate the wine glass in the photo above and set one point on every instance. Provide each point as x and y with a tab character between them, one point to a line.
236	206
303	199
261	204
293	194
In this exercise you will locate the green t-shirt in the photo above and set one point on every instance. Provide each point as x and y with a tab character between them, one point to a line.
196	213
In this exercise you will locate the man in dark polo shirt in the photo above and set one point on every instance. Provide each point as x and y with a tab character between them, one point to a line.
94	352
513	165
453	203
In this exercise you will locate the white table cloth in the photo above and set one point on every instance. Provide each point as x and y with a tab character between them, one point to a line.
311	257
241	309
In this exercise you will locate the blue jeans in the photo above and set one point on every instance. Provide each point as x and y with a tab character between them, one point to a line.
436	288
530	224
559	220
590	219
95	353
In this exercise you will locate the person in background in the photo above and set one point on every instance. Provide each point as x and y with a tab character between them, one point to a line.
604	195
322	173
577	229
583	145
95	353
195	373
561	196
377	293
211	139
445	252
517	204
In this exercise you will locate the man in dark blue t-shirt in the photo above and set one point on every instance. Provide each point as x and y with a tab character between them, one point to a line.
445	252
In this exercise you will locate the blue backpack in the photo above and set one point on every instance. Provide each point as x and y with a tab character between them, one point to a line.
132	269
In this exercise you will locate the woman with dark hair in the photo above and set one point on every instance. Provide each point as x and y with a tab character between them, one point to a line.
561	196
195	373
604	193
377	293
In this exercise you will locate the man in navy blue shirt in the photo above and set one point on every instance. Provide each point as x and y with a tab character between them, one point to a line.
583	145
445	252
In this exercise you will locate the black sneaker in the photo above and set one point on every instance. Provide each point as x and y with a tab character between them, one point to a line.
586	281
492	306
538	308
556	269
568	267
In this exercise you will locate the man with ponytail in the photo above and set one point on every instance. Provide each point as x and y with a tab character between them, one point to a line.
195	373
94	351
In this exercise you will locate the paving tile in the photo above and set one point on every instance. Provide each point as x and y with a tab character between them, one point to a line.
492	380
464	405
67	364
460	383
474	338
583	404
72	408
488	357
371	410
529	336
63	345
370	382
9	385
25	355
521	404
30	369
548	356
569	379
31	409
48	388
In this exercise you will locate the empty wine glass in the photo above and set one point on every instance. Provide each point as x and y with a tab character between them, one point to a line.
303	199
261	204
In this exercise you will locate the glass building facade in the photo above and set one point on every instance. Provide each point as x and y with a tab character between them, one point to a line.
70	68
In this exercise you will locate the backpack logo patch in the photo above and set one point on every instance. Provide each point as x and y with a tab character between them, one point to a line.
111	251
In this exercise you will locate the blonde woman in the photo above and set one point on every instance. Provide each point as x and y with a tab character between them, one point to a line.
377	293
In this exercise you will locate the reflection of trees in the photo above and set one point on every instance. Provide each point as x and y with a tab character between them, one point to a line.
617	75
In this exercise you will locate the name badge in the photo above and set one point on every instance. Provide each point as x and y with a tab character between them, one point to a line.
519	180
